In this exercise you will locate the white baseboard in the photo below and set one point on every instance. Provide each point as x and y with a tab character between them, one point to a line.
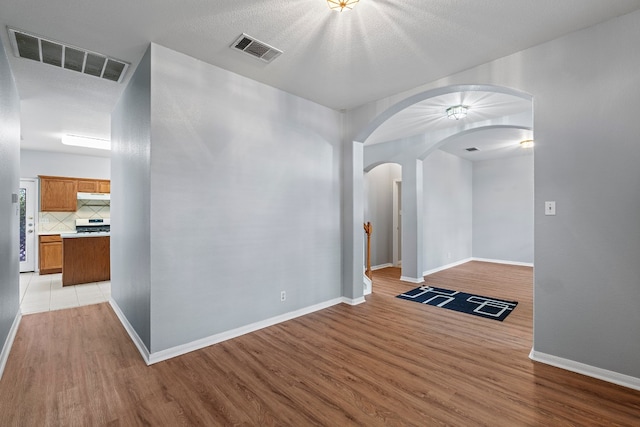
367	284
179	350
499	261
351	301
8	343
144	352
588	370
447	266
381	266
412	279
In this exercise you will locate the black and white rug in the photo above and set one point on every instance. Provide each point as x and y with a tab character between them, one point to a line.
490	308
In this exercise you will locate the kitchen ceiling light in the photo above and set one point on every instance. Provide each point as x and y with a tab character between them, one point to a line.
527	143
83	141
458	112
340	5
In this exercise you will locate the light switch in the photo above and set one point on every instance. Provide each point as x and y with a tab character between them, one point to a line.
549	208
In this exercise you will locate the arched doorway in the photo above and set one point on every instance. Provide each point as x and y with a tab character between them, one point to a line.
408	131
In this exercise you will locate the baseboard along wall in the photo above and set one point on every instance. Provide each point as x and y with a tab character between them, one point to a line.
584	369
159	356
8	343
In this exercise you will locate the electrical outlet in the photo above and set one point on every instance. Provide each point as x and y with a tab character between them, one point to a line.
283	296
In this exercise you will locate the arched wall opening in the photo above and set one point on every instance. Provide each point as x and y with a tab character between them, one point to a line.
410	152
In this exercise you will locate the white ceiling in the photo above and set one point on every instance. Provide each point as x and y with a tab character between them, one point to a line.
340	60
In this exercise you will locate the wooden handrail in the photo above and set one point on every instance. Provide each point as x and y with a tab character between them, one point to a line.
368	228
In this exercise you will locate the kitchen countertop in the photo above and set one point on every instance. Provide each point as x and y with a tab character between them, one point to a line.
74	235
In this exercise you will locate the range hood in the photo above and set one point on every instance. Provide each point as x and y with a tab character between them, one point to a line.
94	196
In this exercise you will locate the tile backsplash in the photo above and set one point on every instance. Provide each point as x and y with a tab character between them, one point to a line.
66	221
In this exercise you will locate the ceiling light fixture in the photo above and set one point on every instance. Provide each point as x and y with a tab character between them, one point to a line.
527	143
340	5
84	141
458	112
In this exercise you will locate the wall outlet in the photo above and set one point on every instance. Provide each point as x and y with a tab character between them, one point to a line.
44	220
283	296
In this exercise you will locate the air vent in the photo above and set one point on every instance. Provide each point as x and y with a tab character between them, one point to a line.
31	46
472	149
256	48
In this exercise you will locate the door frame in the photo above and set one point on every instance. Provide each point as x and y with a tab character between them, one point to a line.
397	223
31	187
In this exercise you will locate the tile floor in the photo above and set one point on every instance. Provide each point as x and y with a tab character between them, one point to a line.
45	293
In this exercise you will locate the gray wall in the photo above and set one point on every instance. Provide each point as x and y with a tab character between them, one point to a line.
378	209
503	209
9	211
131	202
34	163
238	185
447	217
586	157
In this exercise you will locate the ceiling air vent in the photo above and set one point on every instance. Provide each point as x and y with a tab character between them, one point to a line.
256	48
472	149
31	46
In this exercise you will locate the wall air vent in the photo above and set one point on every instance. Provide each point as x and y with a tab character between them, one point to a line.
470	149
256	48
31	46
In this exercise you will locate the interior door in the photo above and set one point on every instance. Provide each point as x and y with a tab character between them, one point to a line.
27	225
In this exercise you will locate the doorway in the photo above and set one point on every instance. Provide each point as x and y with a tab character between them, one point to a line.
397	223
27	199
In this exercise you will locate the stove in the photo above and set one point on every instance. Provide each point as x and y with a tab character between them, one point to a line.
93	225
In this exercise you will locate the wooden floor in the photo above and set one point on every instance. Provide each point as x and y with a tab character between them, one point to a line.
383	363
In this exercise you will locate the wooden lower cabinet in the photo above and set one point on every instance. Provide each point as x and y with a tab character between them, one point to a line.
50	254
86	260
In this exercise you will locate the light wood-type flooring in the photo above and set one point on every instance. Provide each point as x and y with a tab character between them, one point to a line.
387	362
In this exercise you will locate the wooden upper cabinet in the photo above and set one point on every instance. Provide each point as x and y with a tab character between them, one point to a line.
87	186
58	194
104	186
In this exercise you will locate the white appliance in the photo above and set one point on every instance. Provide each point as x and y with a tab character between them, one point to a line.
94	196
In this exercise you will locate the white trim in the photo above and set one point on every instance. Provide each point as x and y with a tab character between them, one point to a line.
499	261
367	285
412	279
351	301
588	370
396	221
8	343
132	332
447	266
179	350
381	266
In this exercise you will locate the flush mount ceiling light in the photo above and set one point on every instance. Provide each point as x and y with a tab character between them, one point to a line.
340	5
83	141
458	112
527	143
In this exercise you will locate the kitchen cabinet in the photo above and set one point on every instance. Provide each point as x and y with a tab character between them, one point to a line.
50	254
104	186
85	259
58	194
87	186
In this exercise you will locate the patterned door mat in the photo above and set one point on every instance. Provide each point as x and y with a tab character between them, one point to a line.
490	308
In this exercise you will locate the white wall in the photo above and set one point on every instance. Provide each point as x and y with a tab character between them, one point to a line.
131	202
244	186
378	185
503	209
586	156
34	163
447	217
9	210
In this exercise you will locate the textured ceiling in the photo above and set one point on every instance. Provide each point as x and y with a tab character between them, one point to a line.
340	60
